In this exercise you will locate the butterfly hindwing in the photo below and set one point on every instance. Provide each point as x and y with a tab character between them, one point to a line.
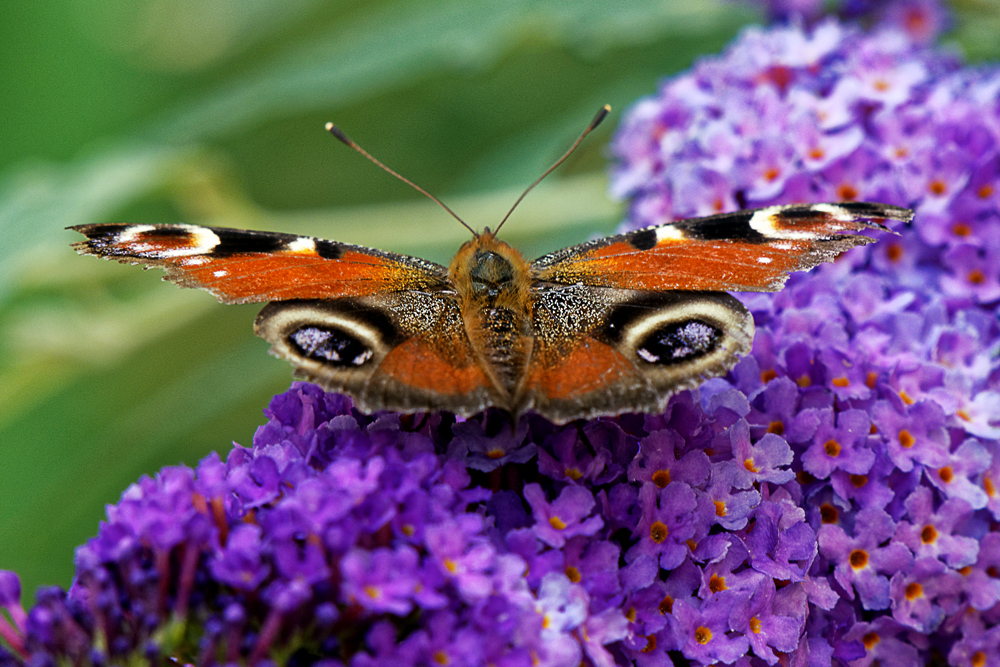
745	251
394	351
606	351
241	266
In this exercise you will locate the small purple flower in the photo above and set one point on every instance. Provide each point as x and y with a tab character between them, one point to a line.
240	564
566	517
928	533
704	632
768	631
763	461
924	595
668	518
844	447
862	562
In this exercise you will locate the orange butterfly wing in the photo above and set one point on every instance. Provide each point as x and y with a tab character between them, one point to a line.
745	251
241	266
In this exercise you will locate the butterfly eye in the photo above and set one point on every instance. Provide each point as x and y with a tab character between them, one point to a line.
679	342
330	346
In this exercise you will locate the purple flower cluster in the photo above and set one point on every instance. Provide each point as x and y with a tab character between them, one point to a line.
834	500
336	539
921	20
881	371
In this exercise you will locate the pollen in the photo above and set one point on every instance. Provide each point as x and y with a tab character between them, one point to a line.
832	448
804	381
847	192
946	474
441	658
755	625
988	486
749	465
858	559
976	277
661	478
776	427
650	644
771	173
702	635
666	605
894	252
937	187
817	153
961	229
450	565
913	591
768	375
984	191
557	523
573	574
906	398
495	454
871	379
859	481
717	583
870	640
928	535
906	440
573	473
658	532
720	508
978	659
881	85
841	382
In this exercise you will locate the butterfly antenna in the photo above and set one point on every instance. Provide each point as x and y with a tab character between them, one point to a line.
601	115
344	139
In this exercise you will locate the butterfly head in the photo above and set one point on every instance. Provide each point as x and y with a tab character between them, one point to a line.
486	267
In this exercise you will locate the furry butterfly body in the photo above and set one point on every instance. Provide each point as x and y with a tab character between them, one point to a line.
610	326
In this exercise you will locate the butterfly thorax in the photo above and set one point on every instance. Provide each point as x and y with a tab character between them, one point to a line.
492	282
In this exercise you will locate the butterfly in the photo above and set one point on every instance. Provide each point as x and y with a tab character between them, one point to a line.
605	327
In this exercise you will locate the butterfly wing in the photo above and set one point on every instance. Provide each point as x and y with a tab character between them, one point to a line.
393	351
603	351
385	328
745	251
241	266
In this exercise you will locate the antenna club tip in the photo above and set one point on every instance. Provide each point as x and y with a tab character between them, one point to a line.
338	133
601	115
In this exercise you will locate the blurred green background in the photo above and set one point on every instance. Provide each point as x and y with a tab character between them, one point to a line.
212	112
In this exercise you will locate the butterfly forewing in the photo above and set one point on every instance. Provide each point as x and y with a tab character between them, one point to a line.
748	251
242	266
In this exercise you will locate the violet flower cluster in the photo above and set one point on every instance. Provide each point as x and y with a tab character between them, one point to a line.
921	20
833	500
